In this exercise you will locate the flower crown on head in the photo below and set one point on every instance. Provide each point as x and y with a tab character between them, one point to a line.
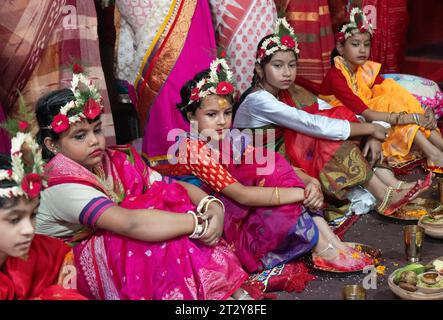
88	103
220	81
358	23
25	177
284	38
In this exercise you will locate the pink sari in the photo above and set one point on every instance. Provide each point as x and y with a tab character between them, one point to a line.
264	237
112	266
185	47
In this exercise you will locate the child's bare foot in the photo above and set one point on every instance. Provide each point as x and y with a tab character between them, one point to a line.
346	260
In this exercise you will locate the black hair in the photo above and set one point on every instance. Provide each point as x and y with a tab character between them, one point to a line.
5	164
262	64
334	52
185	93
47	108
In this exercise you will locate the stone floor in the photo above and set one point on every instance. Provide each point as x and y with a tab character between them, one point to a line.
380	232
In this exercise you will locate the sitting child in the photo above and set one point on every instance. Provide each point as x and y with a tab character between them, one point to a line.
268	218
30	265
354	81
310	138
138	236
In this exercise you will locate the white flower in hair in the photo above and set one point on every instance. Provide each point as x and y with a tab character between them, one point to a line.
28	184
220	81
87	103
357	23
284	39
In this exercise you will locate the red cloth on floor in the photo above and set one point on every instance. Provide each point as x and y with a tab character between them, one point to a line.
289	277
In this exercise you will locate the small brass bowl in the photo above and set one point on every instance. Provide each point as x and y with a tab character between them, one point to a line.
354	292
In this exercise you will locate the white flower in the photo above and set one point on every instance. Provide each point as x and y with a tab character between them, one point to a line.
18	169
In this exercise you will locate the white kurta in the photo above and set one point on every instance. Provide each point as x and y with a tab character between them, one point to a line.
261	109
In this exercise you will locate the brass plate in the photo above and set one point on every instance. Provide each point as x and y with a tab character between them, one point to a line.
371	251
416	204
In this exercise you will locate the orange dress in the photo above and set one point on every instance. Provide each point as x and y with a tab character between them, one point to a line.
381	96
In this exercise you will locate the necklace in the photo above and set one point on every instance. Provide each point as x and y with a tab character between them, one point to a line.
353	77
107	182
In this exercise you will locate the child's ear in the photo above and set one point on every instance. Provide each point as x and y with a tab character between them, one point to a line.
259	70
190	115
340	47
50	145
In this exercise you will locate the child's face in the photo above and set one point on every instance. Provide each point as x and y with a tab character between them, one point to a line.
356	49
17	225
84	143
280	72
213	115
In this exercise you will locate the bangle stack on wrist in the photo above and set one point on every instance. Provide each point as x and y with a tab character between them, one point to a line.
200	226
416	119
206	201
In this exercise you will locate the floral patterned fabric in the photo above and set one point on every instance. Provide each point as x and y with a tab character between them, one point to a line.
426	91
240	24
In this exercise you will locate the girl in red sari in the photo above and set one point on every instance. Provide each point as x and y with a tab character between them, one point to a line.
315	137
138	236
31	266
272	217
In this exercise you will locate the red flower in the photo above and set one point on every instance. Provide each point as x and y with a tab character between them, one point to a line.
340	37
76	68
288	41
60	123
261	53
9	172
194	94
224	88
92	109
223	54
23	125
32	184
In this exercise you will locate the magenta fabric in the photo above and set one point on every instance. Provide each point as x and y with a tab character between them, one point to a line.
112	266
265	236
198	52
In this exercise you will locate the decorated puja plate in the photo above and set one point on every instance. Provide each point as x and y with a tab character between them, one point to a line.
417	281
371	252
414	210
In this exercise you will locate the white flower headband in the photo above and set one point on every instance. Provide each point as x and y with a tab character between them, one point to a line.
284	38
86	105
357	23
220	81
28	183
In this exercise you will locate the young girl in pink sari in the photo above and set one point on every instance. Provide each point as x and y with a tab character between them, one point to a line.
272	217
133	228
